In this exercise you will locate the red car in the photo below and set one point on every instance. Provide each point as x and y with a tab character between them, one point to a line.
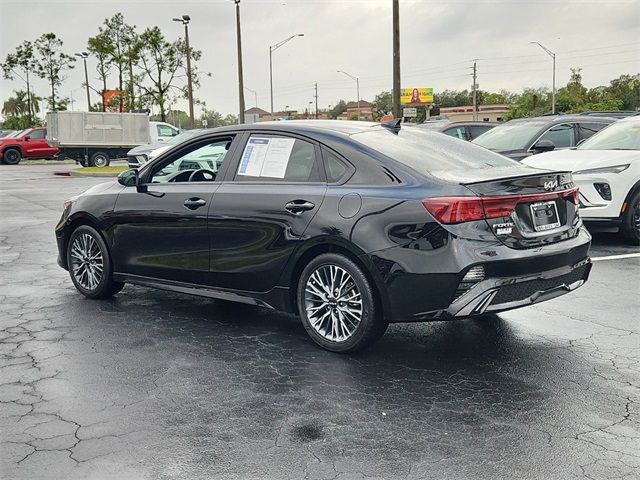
30	143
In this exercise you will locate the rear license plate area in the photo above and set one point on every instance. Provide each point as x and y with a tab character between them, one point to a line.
544	216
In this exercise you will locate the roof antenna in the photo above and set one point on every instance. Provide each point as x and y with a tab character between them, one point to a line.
393	125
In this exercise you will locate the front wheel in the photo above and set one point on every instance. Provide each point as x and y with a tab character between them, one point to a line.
12	156
337	304
631	220
90	265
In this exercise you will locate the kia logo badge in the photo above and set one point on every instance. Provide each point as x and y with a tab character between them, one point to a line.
550	185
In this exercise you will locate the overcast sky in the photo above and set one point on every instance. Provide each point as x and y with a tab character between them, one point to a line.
439	40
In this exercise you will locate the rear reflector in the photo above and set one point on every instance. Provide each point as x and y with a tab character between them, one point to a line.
450	210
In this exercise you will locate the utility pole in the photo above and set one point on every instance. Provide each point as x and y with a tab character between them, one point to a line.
553	88
185	21
475	93
396	60
84	56
240	79
316	95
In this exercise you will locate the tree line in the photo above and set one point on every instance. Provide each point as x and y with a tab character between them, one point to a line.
149	70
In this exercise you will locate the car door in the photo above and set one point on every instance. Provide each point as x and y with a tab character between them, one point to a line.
160	228
37	146
263	207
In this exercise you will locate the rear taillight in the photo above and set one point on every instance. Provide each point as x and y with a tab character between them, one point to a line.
450	210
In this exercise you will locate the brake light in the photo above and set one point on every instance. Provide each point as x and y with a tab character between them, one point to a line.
450	210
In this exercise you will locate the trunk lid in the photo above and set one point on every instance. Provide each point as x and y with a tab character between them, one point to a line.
544	211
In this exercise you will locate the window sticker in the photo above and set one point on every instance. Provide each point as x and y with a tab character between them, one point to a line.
266	157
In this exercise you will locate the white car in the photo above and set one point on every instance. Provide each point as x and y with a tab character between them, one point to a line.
606	168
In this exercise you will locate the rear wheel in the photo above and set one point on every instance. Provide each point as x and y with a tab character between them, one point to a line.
337	304
99	159
90	265
631	220
12	156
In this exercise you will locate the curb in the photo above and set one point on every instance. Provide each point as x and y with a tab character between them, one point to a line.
73	173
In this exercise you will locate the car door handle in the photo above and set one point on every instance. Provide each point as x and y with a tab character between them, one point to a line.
193	203
298	206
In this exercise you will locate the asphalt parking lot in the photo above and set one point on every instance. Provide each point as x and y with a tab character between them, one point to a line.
157	385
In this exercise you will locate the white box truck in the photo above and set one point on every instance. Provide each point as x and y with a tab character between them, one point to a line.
96	138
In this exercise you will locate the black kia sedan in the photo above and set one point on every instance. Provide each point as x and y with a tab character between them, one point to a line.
350	225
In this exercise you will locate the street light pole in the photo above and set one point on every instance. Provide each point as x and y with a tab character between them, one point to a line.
553	88
240	78
84	56
185	21
397	113
357	80
273	48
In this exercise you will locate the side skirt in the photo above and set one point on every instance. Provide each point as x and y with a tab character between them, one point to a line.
201	290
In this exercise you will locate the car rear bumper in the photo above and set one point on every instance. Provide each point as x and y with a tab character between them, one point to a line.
423	285
500	294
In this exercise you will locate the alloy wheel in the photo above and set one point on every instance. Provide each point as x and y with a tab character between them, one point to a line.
86	261
333	303
100	161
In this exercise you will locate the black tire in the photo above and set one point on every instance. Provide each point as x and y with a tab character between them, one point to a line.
372	324
99	159
12	156
105	287
631	220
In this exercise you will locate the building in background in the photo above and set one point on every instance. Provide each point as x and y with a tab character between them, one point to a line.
486	113
367	111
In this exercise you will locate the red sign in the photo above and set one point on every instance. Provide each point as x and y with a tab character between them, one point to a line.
111	101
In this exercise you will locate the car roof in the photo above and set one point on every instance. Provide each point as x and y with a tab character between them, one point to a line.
345	127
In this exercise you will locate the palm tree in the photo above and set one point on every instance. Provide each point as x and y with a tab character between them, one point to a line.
17	105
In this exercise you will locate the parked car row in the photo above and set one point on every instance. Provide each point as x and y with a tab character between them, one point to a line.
92	139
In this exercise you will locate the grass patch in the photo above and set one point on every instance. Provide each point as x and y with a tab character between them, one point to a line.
106	170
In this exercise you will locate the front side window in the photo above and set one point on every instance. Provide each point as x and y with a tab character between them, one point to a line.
37	134
457	132
278	159
166	131
514	135
562	136
205	159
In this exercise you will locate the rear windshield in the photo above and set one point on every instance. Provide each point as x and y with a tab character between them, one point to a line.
430	152
510	136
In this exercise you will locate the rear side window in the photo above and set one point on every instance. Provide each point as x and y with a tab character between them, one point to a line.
427	151
336	168
562	136
278	159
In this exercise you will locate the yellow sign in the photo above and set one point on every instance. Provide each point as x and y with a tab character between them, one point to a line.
416	96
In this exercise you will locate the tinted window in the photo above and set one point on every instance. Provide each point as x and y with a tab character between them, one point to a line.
427	151
38	134
336	168
586	130
457	132
476	130
279	159
208	156
562	136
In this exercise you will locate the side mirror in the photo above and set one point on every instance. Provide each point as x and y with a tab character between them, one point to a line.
129	178
27	138
543	146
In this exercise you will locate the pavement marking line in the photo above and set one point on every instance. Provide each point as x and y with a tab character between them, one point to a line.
615	257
